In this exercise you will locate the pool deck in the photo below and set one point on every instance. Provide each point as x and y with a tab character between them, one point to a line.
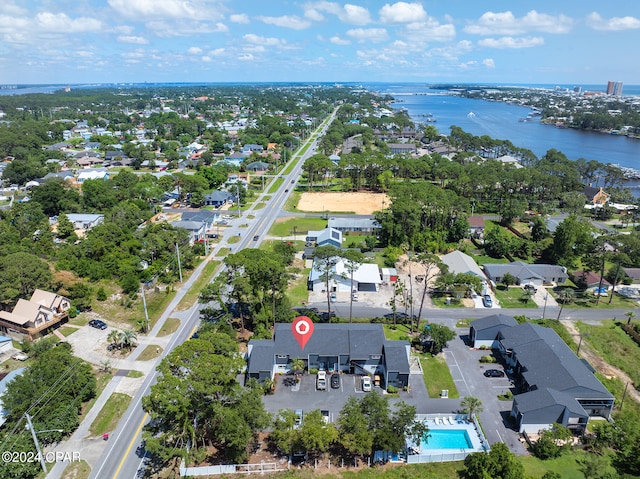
448	423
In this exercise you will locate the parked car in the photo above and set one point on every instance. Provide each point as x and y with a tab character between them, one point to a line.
20	357
98	324
486	300
321	382
366	384
494	373
299	417
530	287
256	237
335	381
333	297
325	416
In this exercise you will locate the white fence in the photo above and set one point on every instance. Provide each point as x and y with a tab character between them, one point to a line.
261	468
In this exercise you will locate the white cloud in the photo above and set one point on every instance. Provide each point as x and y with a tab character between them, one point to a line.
134	54
239	18
374	35
168	9
61	23
10	8
349	13
194	51
183	28
133	39
489	63
430	30
259	40
336	40
287	21
510	42
505	23
402	12
217	52
595	21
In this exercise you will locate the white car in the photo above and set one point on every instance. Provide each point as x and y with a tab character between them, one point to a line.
321	382
366	384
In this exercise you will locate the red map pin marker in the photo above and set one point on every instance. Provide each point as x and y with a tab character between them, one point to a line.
302	329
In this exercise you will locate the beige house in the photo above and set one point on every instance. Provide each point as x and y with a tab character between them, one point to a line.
35	317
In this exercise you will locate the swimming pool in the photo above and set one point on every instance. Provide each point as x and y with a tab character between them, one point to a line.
446	439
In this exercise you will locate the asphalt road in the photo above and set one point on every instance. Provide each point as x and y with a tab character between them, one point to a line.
124	455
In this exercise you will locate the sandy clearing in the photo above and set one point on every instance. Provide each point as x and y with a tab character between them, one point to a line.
359	203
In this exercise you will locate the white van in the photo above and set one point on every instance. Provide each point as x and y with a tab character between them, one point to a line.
321	382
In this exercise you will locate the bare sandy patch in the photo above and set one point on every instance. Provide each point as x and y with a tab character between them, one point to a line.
358	203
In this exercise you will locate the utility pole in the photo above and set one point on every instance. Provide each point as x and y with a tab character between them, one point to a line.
179	266
238	193
146	313
35	441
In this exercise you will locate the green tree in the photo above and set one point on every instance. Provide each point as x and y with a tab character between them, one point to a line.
324	261
20	275
353	259
508	279
565	296
471	405
553	442
284	434
65	229
315	435
429	267
355	437
437	336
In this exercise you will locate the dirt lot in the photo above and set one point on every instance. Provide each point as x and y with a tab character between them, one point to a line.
358	203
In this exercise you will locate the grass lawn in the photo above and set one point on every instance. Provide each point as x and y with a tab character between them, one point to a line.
437	376
170	326
150	352
614	345
441	302
510	298
107	419
191	296
292	200
233	239
302	225
77	470
297	290
222	252
273	187
67	330
135	374
566	465
484	259
260	205
102	379
400	331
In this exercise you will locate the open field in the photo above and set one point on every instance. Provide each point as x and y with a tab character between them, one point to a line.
358	203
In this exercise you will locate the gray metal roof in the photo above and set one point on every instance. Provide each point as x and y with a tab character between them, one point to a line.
261	358
524	271
459	263
395	356
546	406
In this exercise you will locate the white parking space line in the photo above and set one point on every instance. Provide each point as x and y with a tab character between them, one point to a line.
453	363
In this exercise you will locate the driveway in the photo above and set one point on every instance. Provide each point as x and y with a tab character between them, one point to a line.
467	372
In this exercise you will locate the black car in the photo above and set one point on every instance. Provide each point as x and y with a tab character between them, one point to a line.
335	381
256	238
96	323
494	373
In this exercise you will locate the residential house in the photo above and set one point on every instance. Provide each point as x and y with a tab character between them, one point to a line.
460	263
476	227
197	229
6	345
365	278
84	221
634	274
349	348
327	236
37	316
208	218
403	148
595	196
218	198
4	382
591	281
257	167
533	274
558	386
242	178
92	174
248	149
355	225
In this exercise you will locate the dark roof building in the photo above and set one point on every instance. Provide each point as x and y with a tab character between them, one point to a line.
558	387
536	274
484	331
352	348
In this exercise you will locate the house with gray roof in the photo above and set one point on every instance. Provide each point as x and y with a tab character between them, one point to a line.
484	331
534	274
85	221
218	198
460	263
557	386
327	236
208	218
196	229
348	348
257	166
355	225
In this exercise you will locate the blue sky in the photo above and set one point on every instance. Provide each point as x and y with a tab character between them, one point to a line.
102	41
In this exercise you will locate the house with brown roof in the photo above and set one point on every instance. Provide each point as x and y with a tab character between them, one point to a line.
595	196
36	317
590	281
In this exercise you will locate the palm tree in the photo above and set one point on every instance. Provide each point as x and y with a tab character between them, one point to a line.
565	296
527	294
127	338
113	337
630	315
352	261
471	405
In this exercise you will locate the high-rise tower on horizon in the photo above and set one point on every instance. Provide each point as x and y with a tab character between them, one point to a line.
614	88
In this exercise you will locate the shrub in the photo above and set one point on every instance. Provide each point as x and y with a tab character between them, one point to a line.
313	371
101	294
487	359
392	389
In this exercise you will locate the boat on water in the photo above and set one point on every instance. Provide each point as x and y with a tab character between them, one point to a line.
471	114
